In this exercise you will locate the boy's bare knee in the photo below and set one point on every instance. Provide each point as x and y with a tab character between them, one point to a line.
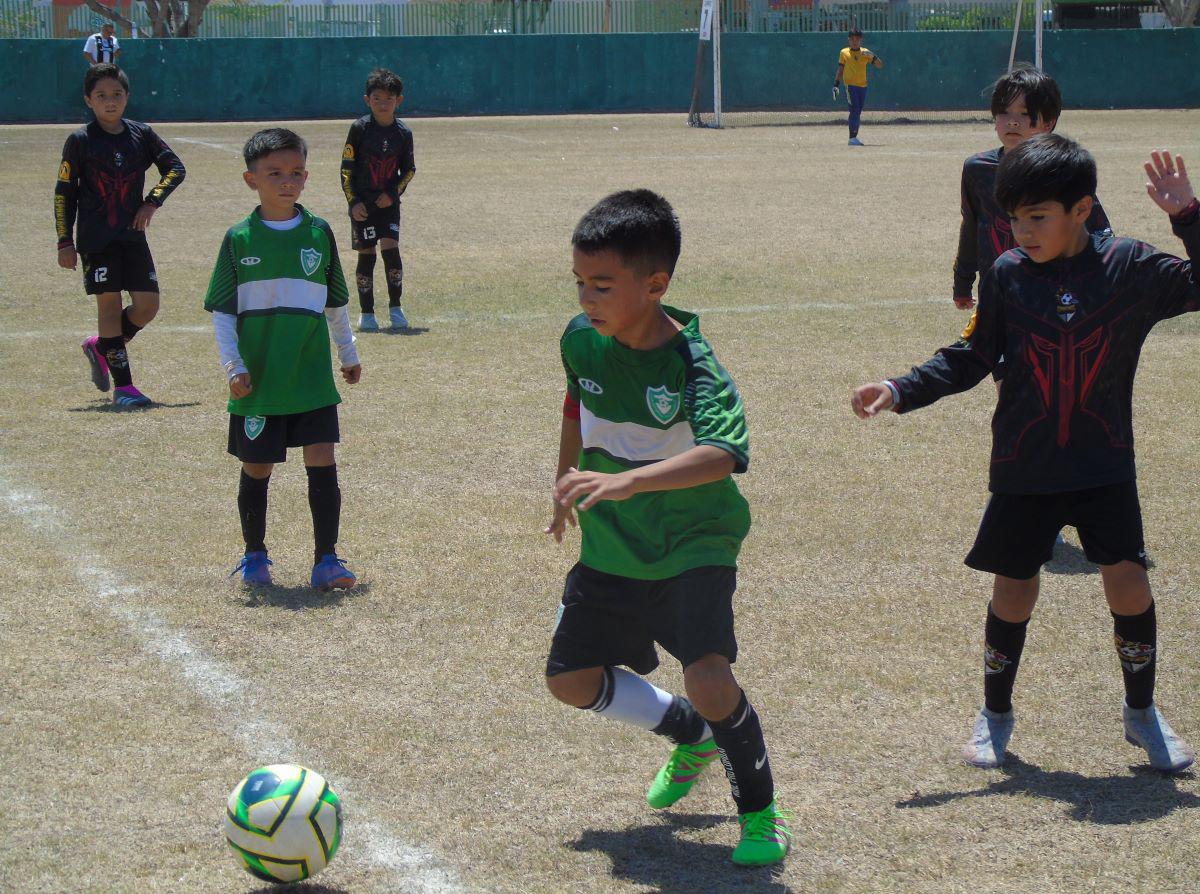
576	688
258	470
1126	587
1013	599
711	687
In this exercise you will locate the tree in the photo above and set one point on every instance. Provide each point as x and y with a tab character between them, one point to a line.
168	18
1182	13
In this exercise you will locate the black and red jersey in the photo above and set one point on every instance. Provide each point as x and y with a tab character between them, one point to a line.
1070	332
985	233
101	180
377	159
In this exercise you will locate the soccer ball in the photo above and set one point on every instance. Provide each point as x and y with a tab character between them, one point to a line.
284	822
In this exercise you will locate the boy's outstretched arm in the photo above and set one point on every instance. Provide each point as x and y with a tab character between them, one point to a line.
570	443
1174	283
702	464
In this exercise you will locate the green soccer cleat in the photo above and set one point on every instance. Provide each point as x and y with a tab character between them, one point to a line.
680	773
766	837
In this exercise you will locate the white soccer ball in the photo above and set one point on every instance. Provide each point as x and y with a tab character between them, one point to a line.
284	823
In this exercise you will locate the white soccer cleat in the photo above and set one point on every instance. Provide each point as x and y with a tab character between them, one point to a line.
855	141
1147	728
399	321
989	739
368	323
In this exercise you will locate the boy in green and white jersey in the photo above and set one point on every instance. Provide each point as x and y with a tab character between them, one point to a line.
652	428
277	294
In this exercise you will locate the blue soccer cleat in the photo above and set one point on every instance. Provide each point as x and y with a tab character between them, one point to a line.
331	573
255	569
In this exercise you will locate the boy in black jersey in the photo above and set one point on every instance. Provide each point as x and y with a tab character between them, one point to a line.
377	166
1069	311
100	179
1025	103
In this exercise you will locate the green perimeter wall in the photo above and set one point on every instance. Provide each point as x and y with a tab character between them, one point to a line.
272	79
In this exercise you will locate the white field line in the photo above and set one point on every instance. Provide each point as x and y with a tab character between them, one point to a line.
220	147
265	741
488	319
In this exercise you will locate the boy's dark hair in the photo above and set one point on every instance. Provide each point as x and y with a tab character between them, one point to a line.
383	79
1043	100
640	226
273	139
1045	168
98	73
855	32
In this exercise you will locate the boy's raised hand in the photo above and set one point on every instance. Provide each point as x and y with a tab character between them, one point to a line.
870	399
1168	186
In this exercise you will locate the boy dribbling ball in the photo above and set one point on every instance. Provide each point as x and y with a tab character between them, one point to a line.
652	429
277	293
1069	311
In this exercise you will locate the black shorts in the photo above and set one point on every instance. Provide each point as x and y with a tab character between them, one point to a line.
381	223
121	267
1016	536
266	439
607	619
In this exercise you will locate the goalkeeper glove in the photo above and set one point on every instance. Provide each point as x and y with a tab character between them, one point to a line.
836	95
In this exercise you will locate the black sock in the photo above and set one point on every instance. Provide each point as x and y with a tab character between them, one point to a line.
252	507
128	328
1003	642
682	723
743	751
325	501
1136	638
394	268
365	276
113	351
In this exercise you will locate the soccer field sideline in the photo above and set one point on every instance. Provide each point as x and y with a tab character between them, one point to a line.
231	698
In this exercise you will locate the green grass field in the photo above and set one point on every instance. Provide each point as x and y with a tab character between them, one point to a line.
138	684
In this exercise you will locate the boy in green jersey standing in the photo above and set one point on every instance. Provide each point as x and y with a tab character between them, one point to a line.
652	429
277	294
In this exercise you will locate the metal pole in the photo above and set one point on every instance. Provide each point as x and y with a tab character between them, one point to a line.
1038	7
717	62
1012	52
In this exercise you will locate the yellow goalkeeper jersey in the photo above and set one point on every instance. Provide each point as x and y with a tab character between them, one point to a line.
855	62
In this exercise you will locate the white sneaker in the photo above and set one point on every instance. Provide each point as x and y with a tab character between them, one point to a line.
399	321
367	323
855	141
1147	728
989	739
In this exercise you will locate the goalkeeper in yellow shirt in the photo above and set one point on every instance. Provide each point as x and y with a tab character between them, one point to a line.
852	68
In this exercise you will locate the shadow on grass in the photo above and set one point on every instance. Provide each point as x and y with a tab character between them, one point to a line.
1070	559
409	330
652	857
299	598
103	405
1105	800
308	887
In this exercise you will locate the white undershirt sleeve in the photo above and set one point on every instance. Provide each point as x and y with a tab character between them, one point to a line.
338	319
225	326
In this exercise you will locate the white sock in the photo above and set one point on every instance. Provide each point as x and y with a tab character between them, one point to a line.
627	697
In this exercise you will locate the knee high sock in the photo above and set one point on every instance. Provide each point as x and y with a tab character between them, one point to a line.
743	751
113	350
1136	638
394	269
128	328
252	507
325	501
632	699
365	276
1002	646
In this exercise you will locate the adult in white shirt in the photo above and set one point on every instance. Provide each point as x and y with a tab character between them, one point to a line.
102	46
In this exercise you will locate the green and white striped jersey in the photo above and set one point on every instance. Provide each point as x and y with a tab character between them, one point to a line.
640	407
278	284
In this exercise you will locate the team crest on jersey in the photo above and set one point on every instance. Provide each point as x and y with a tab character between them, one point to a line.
590	387
255	426
663	404
1068	305
118	159
310	260
64	172
348	153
